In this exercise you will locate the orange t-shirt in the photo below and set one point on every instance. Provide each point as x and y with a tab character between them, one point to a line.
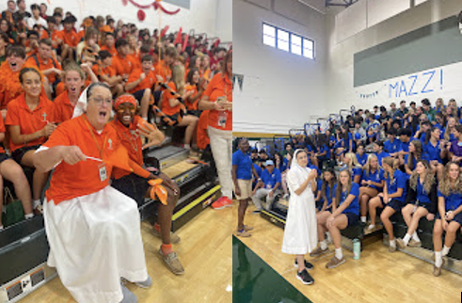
55	36
122	66
63	108
106	29
29	121
100	71
220	86
132	143
42	66
80	36
166	108
70	38
83	178
163	70
202	136
147	82
112	51
189	105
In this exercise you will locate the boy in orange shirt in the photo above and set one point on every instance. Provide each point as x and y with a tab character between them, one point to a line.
109	42
122	62
106	73
56	35
140	84
70	39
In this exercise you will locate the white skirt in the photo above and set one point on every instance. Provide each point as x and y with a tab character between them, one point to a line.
94	241
300	232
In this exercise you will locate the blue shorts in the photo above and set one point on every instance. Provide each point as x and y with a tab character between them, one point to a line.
424	205
457	218
394	204
352	218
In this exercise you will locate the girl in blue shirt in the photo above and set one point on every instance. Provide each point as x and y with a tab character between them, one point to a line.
391	199
415	154
372	183
325	190
345	211
353	166
347	138
421	201
435	150
449	215
361	155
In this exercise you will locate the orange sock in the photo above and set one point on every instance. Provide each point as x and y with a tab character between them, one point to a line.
166	249
157	226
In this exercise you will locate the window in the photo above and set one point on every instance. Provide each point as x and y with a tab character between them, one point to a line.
287	41
269	35
308	48
296	44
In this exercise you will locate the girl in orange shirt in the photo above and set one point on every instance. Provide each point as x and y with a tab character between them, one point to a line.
197	86
30	121
218	98
171	106
204	68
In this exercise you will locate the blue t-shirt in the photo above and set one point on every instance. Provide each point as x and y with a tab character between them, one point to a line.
404	146
433	152
381	156
327	192
258	169
362	159
326	149
244	165
354	205
452	138
391	147
451	202
422	196
399	181
356	171
271	179
376	177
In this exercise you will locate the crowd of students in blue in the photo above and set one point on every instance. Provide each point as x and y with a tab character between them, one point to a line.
405	159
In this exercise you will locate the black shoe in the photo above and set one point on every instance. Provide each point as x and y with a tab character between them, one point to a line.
305	277
308	265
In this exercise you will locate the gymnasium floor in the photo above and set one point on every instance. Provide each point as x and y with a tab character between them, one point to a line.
205	252
378	276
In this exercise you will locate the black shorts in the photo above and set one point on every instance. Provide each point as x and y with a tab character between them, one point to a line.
457	218
133	186
139	95
4	157
352	218
20	152
157	95
173	117
424	205
394	203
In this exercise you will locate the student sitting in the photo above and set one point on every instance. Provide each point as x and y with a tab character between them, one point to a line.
435	150
344	214
361	155
325	191
404	138
105	73
448	134
70	39
268	186
392	145
449	214
421	201
393	195
353	166
372	183
415	154
140	84
455	151
379	152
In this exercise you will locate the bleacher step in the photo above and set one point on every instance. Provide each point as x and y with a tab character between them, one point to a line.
169	155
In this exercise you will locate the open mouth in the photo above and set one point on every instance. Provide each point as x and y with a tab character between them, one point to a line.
73	89
127	118
13	65
102	114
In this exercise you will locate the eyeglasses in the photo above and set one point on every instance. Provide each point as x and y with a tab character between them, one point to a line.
100	101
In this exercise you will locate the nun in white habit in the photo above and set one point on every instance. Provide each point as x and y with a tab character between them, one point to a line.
93	229
300	233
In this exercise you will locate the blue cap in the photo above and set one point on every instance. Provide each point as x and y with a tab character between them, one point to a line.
269	162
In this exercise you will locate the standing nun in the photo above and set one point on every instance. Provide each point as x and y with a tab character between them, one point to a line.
300	234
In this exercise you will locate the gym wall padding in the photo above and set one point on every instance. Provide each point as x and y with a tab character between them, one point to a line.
431	46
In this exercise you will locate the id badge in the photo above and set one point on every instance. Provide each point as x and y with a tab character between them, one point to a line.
102	172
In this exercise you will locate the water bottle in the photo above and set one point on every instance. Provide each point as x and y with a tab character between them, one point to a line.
356	249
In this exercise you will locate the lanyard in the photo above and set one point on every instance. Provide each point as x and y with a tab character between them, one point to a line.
94	138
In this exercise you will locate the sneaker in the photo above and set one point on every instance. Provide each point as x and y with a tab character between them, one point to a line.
174	239
248	228
308	265
371	228
414	243
334	262
305	277
391	248
222	202
318	251
172	262
129	297
437	270
243	233
400	243
145	284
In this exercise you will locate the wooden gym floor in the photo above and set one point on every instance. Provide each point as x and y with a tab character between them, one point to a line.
205	251
379	276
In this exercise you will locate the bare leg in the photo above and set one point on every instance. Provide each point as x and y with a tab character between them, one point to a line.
385	217
373	204
190	122
11	171
419	213
145	103
438	236
39	179
241	213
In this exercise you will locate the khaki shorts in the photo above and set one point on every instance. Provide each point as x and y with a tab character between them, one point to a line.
246	189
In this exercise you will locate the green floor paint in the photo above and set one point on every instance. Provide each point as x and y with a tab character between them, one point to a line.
254	281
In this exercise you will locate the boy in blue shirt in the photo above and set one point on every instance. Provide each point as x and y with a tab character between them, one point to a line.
392	145
378	150
268	186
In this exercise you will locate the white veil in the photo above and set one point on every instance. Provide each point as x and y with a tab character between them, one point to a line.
298	171
81	105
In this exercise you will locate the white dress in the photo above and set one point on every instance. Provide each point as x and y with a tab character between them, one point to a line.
300	233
